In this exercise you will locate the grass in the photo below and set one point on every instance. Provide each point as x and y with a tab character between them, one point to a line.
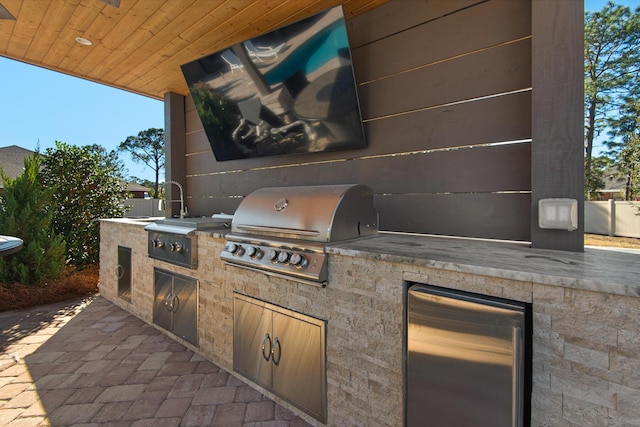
617	242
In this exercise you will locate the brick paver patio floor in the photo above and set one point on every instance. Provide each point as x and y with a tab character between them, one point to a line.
90	363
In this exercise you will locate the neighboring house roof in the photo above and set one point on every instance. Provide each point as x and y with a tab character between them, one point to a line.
613	182
12	161
132	186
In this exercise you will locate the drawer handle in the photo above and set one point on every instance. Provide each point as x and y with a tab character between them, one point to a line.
273	351
267	354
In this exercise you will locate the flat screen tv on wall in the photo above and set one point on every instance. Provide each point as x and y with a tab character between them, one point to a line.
290	91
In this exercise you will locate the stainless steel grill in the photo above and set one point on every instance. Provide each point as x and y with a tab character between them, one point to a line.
283	231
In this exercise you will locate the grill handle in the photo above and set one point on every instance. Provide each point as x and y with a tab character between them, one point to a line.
265	229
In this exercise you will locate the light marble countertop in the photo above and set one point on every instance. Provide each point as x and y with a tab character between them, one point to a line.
599	270
594	269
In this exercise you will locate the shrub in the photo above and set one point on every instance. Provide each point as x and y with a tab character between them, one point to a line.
87	189
26	212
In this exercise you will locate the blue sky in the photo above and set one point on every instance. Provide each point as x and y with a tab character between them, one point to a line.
593	6
596	5
39	106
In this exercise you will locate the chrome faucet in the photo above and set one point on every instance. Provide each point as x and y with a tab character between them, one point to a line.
183	208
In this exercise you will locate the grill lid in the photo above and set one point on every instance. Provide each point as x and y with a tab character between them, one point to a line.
322	213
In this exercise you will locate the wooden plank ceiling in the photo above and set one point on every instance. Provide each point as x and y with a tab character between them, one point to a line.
139	45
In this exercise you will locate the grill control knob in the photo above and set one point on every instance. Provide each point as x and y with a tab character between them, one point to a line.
273	255
234	248
283	257
297	260
254	252
175	247
157	243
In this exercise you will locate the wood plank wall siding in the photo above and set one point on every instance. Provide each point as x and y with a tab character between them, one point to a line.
446	96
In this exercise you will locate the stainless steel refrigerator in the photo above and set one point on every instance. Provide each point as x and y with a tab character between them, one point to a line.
466	359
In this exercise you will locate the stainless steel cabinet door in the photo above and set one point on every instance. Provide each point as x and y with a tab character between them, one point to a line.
252	341
175	307
162	290
283	351
184	308
298	362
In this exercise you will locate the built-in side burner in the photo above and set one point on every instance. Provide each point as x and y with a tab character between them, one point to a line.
173	240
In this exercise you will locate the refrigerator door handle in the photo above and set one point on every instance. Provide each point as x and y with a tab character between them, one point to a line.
516	410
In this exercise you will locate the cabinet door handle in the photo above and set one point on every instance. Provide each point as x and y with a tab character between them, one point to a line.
175	303
168	302
266	355
273	351
119	271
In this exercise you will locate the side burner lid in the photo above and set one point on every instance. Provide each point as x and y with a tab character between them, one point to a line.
186	226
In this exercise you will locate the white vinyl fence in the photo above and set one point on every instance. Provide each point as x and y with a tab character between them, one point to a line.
612	218
142	208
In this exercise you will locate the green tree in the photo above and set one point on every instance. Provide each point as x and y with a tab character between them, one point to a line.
87	189
629	165
611	51
110	160
25	212
594	177
148	148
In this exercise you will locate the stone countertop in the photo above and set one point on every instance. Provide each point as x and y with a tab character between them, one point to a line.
594	269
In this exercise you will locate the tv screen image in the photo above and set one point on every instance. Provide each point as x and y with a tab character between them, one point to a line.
289	91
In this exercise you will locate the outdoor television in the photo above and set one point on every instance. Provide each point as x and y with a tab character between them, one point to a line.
289	91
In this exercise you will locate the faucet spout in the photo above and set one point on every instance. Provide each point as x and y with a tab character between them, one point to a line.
183	208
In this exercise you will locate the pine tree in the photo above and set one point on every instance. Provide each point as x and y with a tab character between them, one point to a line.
25	212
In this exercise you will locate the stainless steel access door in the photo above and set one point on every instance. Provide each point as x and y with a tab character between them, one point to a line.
175	306
283	351
299	353
163	286
465	360
185	306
